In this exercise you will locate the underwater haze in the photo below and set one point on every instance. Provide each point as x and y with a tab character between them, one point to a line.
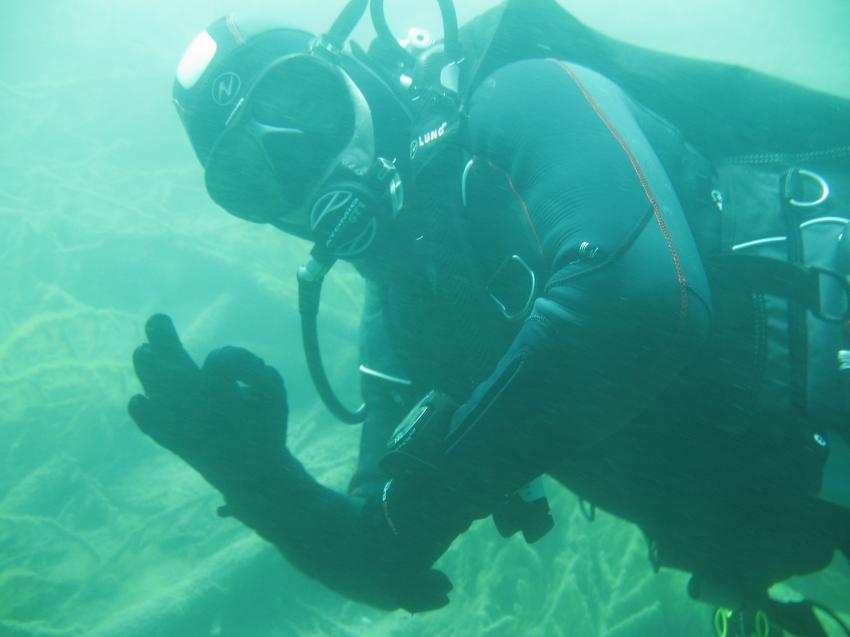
104	220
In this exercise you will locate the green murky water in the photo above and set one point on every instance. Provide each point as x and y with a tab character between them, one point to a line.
104	220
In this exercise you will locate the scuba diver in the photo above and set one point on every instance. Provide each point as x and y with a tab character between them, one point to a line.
534	294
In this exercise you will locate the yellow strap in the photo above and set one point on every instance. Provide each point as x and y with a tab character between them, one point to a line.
762	625
721	622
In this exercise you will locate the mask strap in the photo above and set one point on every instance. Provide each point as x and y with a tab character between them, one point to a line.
334	40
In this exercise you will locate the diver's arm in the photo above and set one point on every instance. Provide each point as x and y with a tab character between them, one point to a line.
228	421
342	541
623	299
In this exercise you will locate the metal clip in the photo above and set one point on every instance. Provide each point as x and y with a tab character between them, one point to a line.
823	186
844	360
717	198
503	273
587	250
833	295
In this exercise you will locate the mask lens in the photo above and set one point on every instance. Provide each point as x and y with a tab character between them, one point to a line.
306	94
240	179
300	162
296	121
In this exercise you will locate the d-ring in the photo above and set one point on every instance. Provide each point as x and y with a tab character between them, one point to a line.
721	622
820	181
762	624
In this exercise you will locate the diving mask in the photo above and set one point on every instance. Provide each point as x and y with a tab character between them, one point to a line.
301	120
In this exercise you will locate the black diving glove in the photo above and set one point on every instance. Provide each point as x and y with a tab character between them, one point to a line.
228	421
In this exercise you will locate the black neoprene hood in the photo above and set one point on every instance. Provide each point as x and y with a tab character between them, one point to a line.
219	68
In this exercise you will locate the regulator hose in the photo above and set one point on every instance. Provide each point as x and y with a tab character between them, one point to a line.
310	279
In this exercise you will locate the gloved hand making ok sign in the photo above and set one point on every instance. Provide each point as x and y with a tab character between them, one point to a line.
227	419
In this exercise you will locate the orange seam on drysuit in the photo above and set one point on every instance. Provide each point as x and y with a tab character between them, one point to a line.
644	182
234	30
521	202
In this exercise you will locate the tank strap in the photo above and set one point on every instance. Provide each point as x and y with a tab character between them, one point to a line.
794	282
